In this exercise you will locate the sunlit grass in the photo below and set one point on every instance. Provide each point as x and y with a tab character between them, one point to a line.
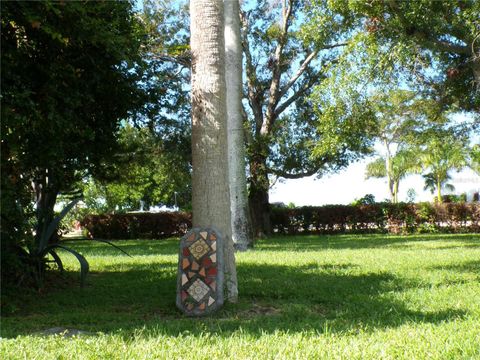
306	297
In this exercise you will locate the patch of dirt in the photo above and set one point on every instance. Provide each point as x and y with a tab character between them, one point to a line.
260	310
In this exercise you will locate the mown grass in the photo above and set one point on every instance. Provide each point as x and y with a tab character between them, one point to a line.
311	297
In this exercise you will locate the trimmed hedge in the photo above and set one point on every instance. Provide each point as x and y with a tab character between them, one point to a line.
137	225
328	219
379	217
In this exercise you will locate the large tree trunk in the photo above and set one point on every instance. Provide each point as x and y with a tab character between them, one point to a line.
210	189
242	234
258	196
476	71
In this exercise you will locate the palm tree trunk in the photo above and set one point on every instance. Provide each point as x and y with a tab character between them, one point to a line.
439	189
388	170
210	189
241	225
396	184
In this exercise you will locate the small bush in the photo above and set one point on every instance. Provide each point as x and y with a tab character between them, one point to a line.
137	225
378	217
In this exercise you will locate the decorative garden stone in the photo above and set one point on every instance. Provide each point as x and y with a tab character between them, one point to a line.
200	272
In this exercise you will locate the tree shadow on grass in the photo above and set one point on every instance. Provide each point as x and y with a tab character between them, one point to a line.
468	266
132	247
319	298
320	242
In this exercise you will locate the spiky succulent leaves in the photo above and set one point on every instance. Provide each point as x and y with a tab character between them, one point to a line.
48	232
84	267
115	246
57	260
106	242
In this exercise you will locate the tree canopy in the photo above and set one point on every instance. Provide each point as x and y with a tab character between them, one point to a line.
437	43
71	71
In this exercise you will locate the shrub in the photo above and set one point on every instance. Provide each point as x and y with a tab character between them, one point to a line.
378	217
137	225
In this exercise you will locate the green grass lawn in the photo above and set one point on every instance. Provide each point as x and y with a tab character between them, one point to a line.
312	297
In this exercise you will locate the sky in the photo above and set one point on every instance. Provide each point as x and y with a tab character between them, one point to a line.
350	184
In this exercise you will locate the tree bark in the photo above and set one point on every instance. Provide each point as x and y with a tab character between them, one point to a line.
439	189
388	170
210	189
242	234
258	196
396	184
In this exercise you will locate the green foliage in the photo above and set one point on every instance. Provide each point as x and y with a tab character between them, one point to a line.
70	72
137	225
431	44
368	199
411	195
475	158
34	258
444	150
154	169
152	162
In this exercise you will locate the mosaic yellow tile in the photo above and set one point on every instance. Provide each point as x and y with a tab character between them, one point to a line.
199	248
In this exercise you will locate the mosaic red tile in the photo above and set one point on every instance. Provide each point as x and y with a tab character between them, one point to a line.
184	295
185	263
191	237
207	262
202	306
212	271
202	271
213	237
186	252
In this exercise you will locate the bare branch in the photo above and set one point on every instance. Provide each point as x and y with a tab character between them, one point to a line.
304	66
183	60
274	97
255	96
287	175
281	108
299	73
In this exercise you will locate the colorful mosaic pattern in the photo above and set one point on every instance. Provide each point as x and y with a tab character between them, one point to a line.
200	272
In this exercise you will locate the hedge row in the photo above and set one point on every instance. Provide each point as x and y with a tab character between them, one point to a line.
379	217
137	225
328	219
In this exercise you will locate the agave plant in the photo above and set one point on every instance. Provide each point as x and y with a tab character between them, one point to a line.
36	254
